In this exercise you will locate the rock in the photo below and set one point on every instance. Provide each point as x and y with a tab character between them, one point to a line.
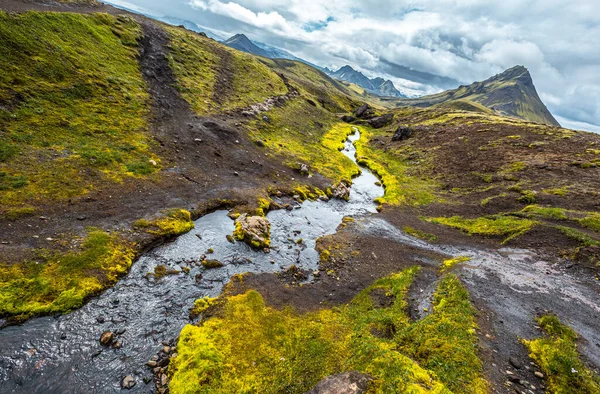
360	112
381	121
151	364
63	336
539	374
348	118
351	382
402	133
515	363
100	319
82	217
128	382
210	264
304	169
230	238
324	198
163	362
260	143
107	338
254	230
341	191
164	380
265	118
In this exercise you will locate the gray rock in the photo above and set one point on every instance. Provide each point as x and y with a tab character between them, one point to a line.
128	382
360	112
351	382
381	121
402	133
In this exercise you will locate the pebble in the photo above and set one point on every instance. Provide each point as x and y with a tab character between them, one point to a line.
128	382
514	362
539	374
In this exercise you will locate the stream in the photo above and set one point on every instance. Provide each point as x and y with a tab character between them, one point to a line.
63	354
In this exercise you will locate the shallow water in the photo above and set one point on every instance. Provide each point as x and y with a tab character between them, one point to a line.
63	354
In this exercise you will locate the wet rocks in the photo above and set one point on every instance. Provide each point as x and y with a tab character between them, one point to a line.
210	264
159	364
381	121
254	230
128	382
341	191
402	133
107	338
351	382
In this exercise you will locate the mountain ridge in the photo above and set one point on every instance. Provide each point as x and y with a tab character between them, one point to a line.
511	93
378	85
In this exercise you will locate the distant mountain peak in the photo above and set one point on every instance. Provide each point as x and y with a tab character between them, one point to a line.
378	85
511	93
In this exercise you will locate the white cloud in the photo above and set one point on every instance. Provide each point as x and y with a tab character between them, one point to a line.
467	40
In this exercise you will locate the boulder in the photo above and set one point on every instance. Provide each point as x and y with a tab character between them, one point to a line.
348	118
362	110
381	121
351	382
402	133
341	191
254	230
304	169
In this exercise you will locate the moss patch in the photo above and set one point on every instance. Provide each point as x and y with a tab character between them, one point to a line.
507	226
556	354
61	282
249	347
419	234
447	264
176	222
73	105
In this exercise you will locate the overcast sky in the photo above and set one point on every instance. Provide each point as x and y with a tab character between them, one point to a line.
467	40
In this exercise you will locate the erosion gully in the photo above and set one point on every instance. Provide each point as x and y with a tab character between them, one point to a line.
63	354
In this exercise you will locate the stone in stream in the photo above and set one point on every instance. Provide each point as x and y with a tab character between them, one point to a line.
341	191
128	382
351	382
107	338
254	230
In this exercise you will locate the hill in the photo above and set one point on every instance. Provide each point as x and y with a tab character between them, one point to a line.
510	93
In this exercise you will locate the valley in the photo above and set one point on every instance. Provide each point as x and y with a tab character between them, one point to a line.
235	223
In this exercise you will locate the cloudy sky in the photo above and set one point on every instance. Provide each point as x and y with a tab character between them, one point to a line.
465	40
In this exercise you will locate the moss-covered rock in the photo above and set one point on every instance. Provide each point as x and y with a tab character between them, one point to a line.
254	230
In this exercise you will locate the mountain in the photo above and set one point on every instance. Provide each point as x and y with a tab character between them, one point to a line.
378	86
243	43
509	93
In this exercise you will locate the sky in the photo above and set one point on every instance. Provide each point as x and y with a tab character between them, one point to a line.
465	40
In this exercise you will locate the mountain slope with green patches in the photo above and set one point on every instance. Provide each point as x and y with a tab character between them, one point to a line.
511	93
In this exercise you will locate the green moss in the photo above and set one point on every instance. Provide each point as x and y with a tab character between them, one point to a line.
592	222
527	197
581	237
556	354
402	187
447	264
507	226
210	264
249	347
75	105
545	212
176	222
301	133
487	200
557	191
420	234
17	213
196	62
61	282
201	305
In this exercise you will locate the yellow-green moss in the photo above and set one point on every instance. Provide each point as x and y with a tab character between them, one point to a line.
75	105
201	305
401	186
557	191
447	264
556	354
579	236
61	282
249	347
176	222
545	212
302	133
510	227
419	234
592	222
197	61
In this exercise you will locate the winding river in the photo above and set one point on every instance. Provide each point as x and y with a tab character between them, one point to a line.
63	355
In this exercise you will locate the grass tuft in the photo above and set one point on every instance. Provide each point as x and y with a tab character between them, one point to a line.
507	226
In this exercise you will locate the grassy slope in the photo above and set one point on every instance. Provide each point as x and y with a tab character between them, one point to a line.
248	347
197	62
73	106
